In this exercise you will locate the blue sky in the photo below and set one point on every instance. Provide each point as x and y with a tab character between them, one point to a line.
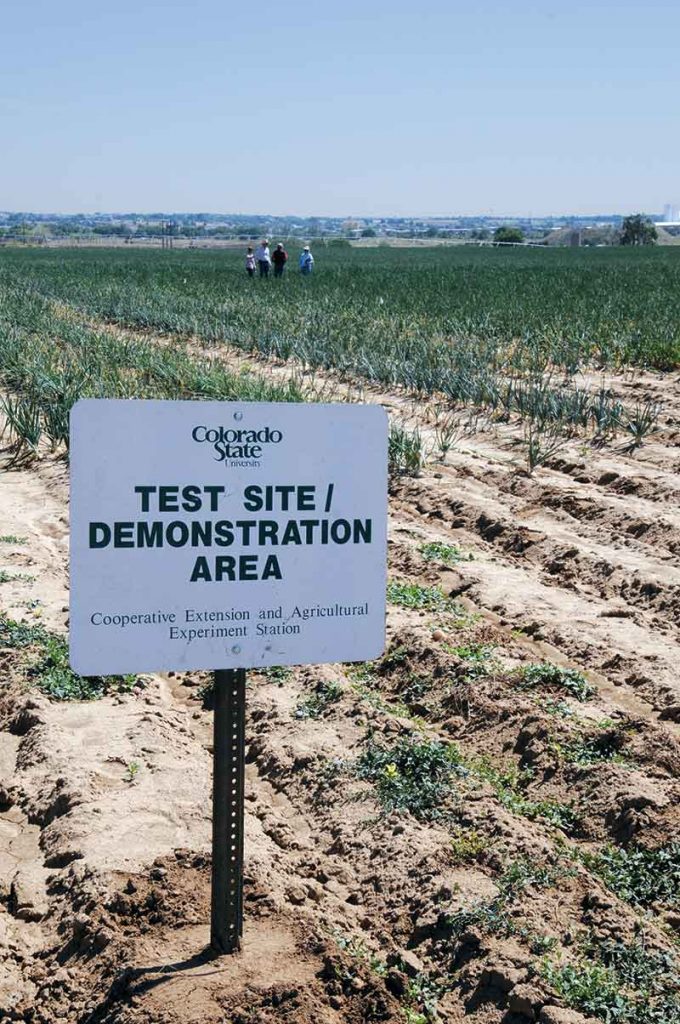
340	108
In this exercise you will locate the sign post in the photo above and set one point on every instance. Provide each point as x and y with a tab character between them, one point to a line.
229	762
226	536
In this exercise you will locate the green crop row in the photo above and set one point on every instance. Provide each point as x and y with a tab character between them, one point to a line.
48	361
502	331
381	309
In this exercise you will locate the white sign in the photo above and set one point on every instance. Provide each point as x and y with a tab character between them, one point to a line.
226	534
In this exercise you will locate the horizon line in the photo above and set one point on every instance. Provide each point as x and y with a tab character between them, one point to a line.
324	216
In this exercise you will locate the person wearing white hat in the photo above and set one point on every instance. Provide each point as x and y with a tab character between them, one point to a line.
306	261
264	260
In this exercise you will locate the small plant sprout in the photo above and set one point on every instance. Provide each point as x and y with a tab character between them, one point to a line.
541	443
405	452
15	577
640	423
448	431
132	771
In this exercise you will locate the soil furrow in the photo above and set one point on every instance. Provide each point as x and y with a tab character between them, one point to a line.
358	909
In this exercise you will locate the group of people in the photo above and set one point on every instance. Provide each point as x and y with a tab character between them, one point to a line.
262	260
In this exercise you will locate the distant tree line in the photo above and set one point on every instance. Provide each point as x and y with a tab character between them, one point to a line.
637	230
507	233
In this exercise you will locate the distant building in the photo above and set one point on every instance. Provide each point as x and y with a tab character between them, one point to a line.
671	214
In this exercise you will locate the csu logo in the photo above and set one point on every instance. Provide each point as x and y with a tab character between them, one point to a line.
236	444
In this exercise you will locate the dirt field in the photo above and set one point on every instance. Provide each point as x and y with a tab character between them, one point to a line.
354	914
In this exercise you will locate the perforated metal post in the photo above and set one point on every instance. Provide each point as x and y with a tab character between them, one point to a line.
226	913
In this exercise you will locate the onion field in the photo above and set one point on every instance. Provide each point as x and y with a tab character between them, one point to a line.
481	825
508	332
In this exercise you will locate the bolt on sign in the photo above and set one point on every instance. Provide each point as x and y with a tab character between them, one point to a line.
226	534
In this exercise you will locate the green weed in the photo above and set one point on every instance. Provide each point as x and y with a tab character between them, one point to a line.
619	983
559	708
467	845
20	634
206	694
358	950
638	875
415	1016
423	994
361	671
446	554
605	747
331	770
540	944
395	657
49	668
388	707
493	916
478	658
277	673
412	775
412	595
54	676
415	687
553	677
508	783
325	694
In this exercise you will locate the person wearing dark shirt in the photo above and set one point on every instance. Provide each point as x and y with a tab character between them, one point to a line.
279	259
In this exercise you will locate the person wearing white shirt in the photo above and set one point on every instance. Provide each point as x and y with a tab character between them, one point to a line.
264	260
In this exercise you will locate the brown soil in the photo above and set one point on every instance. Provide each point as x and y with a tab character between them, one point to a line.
105	873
